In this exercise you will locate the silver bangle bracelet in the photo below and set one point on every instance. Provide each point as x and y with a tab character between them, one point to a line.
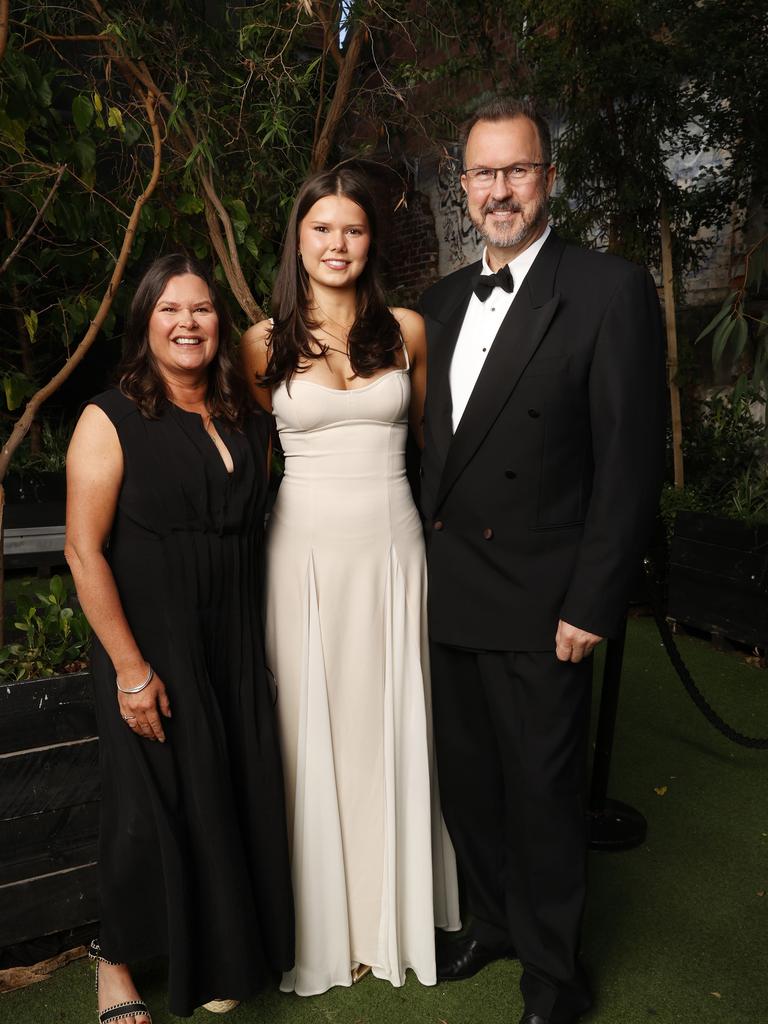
140	687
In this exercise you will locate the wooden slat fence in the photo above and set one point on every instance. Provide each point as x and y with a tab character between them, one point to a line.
49	792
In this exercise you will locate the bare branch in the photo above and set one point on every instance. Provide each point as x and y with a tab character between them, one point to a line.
25	421
327	14
5	11
226	245
231	265
41	36
340	99
30	231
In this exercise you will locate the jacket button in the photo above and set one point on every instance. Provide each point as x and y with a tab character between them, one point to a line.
510	474
487	533
534	414
439	524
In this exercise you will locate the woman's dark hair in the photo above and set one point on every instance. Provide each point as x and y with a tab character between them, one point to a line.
374	339
138	375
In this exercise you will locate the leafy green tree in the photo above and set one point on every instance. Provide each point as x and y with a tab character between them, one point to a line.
132	128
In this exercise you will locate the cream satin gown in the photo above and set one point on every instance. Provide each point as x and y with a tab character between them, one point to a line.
373	867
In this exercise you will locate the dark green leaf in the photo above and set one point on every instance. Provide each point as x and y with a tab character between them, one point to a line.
757	267
133	132
720	340
82	112
740	335
740	389
85	150
44	93
189	203
718	318
239	212
13	132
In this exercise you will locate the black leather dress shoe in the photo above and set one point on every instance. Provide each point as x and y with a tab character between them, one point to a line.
463	959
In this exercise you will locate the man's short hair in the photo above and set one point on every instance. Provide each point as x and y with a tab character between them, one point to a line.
504	108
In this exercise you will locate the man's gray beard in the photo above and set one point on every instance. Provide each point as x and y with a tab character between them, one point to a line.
502	238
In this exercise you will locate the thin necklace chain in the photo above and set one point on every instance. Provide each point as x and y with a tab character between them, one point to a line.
344	327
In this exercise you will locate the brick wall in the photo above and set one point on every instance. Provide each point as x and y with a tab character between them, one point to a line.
410	249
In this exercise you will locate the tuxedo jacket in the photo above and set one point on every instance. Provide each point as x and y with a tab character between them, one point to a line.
539	507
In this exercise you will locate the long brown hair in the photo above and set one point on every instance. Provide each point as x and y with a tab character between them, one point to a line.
138	375
374	339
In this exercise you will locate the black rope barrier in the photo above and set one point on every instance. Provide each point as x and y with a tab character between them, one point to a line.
698	698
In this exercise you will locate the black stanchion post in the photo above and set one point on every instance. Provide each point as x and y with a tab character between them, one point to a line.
612	825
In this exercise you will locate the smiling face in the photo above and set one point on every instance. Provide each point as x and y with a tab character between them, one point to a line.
183	329
509	216
334	239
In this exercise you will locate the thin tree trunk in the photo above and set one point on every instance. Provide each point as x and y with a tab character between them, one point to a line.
5	14
341	94
672	364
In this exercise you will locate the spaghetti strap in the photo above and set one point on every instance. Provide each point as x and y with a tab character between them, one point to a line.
405	350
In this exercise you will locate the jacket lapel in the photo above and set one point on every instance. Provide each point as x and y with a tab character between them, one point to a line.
518	338
439	363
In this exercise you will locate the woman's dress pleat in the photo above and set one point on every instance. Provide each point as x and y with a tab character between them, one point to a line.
346	640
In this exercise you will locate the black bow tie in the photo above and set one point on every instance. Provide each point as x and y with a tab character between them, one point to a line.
487	282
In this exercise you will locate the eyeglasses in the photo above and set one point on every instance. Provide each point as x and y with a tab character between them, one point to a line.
514	174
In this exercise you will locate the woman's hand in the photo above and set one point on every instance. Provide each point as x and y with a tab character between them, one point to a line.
141	711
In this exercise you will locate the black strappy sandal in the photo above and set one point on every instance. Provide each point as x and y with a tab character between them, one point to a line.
120	1010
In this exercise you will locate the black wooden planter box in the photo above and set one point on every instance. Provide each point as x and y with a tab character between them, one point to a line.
49	791
718	577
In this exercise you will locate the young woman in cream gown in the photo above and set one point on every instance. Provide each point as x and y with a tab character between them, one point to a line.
372	865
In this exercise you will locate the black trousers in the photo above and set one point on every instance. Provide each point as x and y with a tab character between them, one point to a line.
511	732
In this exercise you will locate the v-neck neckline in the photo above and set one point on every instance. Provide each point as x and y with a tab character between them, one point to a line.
199	417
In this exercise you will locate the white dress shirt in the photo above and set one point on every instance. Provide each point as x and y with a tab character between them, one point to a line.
481	325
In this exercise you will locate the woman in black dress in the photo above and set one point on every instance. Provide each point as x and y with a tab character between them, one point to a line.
166	479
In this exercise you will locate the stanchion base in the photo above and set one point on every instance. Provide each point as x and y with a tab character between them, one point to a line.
617	827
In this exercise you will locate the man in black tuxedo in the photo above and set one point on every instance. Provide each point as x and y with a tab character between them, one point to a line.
544	438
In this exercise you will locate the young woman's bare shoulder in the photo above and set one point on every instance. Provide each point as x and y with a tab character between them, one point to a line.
411	327
254	347
407	318
257	335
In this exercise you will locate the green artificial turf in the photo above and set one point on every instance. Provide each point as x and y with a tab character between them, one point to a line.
676	930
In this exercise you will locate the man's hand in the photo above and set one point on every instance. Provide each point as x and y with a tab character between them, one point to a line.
572	643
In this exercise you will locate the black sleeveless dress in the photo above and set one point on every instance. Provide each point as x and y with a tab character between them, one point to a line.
193	851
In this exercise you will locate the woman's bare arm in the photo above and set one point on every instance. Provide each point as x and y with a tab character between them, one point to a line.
254	352
415	338
94	476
